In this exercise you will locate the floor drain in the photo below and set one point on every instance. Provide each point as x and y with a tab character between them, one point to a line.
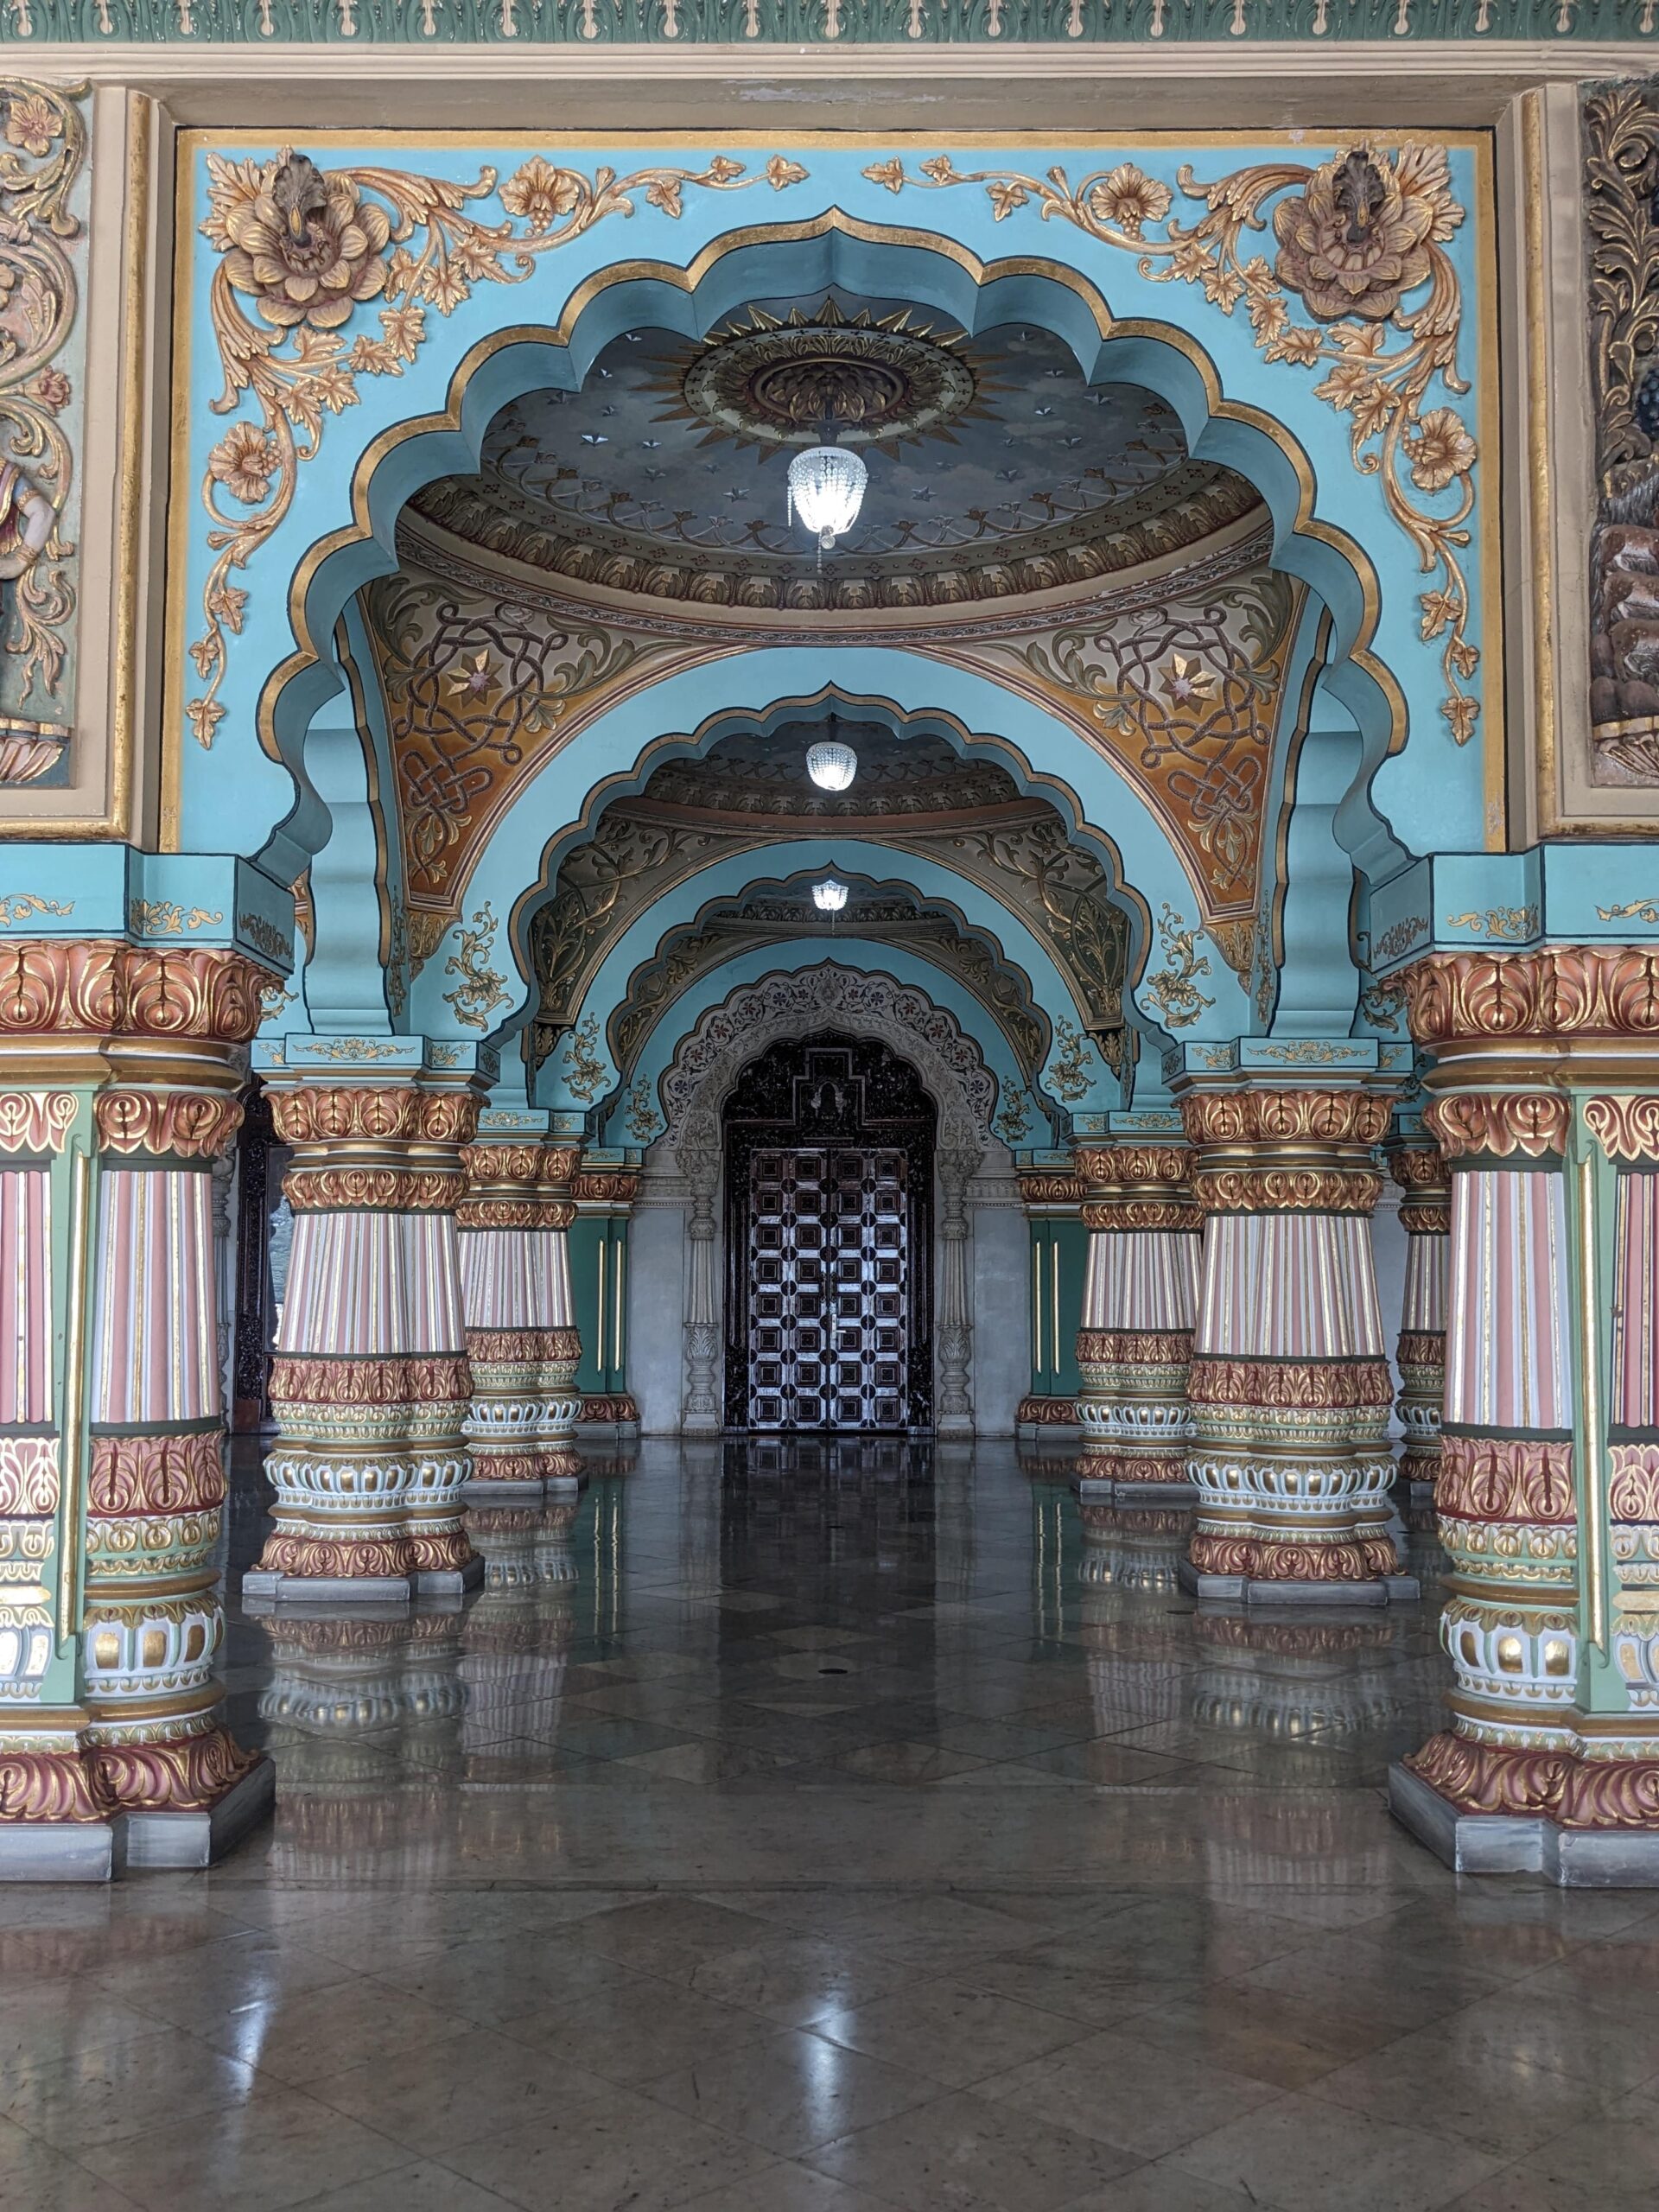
834	1670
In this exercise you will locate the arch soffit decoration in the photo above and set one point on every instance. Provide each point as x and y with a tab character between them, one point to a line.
1027	1023
388	468
708	1062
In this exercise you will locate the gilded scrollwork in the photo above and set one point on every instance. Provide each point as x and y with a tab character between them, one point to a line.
301	249
583	1068
1359	237
1068	1074
1172	990
478	990
42	160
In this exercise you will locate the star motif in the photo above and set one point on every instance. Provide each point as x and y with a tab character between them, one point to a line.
1185	681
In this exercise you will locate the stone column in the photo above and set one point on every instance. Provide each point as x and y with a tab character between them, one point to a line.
119	1066
703	1413
522	1342
1546	1083
1426	1216
1052	1197
1139	1304
604	1196
1289	1384
955	1414
370	1383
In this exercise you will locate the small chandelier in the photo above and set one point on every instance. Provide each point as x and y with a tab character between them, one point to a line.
830	896
831	764
826	490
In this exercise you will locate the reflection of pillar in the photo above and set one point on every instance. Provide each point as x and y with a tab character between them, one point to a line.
604	1195
370	1382
703	1413
521	1339
1136	1338
119	1066
1426	1216
954	1416
1548	1490
1052	1197
1289	1385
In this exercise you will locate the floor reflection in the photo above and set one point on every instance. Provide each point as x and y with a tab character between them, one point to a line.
816	1622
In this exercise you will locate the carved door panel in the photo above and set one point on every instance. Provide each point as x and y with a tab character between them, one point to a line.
829	1285
828	1199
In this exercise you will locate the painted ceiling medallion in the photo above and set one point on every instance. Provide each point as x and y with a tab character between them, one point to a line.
771	380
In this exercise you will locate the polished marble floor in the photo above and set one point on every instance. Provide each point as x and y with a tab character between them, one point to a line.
828	1830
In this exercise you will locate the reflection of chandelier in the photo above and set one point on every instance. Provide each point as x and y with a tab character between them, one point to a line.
826	489
831	764
830	896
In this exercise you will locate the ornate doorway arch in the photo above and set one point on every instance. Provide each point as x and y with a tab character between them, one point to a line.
828	1143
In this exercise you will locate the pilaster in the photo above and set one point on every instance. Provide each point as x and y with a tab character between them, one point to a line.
1139	1302
604	1191
1289	1386
1426	1216
1052	1199
369	1384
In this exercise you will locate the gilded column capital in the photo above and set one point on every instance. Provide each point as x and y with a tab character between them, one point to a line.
1138	1186
1284	1150
393	1147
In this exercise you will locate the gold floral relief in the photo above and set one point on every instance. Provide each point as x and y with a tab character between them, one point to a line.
1358	239
301	249
42	160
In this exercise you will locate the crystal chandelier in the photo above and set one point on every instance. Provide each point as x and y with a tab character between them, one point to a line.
830	896
826	490
831	764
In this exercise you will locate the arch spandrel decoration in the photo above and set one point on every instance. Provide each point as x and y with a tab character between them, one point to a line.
708	1061
1240	343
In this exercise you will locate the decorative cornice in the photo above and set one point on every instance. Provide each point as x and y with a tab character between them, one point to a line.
608	1187
1132	1214
1499	1124
1560	991
1258	1115
1624	1128
388	1113
1286	1190
82	988
1049	1187
190	1124
379	1189
517	25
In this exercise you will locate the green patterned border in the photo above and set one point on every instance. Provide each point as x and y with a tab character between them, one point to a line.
814	23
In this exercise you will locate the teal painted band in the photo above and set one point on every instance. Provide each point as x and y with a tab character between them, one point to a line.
905	24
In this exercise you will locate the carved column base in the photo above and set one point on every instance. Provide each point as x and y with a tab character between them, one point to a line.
1295	1483
1046	1413
1578	1816
616	1406
87	1808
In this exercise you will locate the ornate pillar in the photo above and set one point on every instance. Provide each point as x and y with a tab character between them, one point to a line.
119	1066
604	1194
370	1382
1052	1197
1289	1384
955	1414
1546	1083
1426	1216
1136	1338
521	1335
703	1413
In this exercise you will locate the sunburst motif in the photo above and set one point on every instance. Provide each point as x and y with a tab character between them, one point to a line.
771	382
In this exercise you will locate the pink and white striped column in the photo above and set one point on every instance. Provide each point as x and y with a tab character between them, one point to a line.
370	1382
1289	1385
1140	1302
521	1334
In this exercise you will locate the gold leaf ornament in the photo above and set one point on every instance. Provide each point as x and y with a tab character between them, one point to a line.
1361	245
301	249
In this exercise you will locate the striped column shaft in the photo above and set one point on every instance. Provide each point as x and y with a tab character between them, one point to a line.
521	1335
152	1620
370	1382
1504	1497
1289	1385
1426	1216
120	1064
1139	1303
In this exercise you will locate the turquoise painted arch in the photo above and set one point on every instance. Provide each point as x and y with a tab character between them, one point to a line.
687	265
713	989
1100	808
798	860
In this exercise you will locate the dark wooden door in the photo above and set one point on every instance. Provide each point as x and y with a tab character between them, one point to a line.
829	1214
